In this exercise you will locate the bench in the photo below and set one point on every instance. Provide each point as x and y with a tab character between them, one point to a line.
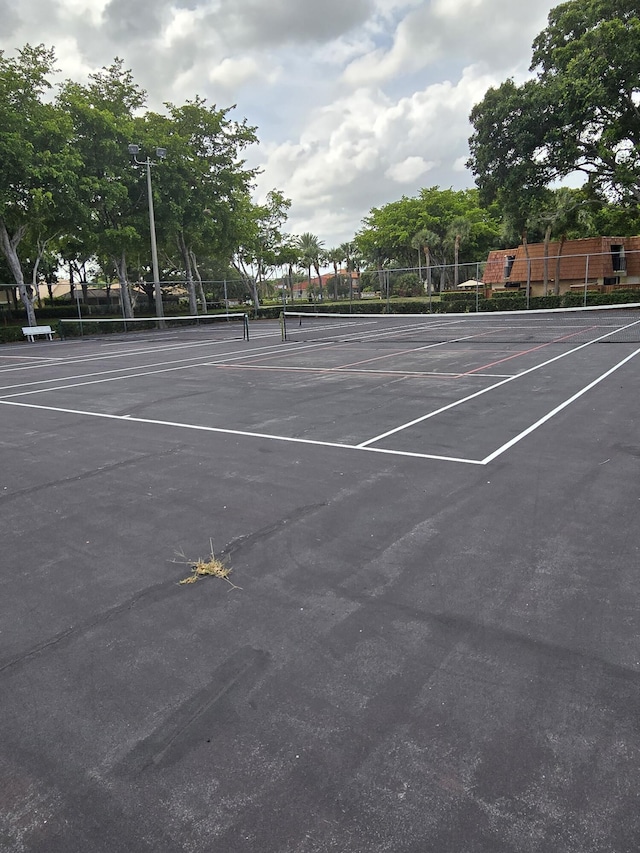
31	332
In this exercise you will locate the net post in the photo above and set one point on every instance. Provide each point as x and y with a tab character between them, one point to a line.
245	327
283	327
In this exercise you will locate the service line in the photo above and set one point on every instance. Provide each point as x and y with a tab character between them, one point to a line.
157	367
557	409
244	433
489	388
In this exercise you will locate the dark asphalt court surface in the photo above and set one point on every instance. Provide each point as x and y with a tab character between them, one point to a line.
435	640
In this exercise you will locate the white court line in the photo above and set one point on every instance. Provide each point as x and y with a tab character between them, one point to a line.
98	356
137	375
245	433
317	443
31	358
557	409
160	347
363	446
185	363
489	388
362	370
265	350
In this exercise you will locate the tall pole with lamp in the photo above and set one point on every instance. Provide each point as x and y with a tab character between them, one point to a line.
161	153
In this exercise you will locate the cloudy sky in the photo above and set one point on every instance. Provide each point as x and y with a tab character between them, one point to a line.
357	102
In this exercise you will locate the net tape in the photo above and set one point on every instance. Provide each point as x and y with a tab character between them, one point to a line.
597	324
233	324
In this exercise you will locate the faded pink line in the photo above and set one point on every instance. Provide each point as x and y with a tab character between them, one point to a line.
411	374
525	352
386	355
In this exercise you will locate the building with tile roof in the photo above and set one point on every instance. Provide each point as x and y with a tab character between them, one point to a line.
598	263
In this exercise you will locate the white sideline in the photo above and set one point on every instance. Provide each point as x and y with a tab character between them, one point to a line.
489	388
557	409
223	431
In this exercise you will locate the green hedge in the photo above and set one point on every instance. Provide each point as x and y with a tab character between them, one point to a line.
10	334
455	296
615	297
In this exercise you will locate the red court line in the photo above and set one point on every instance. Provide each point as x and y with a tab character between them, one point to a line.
326	346
388	355
405	374
525	352
344	368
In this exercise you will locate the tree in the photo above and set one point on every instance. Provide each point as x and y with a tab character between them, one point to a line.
579	114
353	262
310	248
389	232
426	241
457	232
563	210
335	257
261	240
288	256
38	176
201	183
114	199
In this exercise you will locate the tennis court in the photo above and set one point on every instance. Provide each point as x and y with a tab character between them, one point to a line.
434	640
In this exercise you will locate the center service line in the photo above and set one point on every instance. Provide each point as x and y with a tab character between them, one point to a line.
490	387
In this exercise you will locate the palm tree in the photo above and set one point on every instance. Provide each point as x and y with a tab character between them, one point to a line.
353	260
565	210
310	248
458	231
335	256
428	241
288	255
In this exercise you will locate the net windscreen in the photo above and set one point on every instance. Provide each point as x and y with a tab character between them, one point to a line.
605	324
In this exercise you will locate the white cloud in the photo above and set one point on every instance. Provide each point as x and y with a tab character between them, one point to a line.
92	10
182	26
408	170
233	73
355	153
454	30
356	102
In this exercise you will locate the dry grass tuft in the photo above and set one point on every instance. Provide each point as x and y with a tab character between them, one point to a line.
211	567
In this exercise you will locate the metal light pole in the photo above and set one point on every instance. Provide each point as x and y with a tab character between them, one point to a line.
161	153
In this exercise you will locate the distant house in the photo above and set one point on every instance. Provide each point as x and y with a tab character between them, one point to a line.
300	288
598	263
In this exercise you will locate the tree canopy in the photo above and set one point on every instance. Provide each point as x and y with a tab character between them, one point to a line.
39	173
390	232
67	176
580	113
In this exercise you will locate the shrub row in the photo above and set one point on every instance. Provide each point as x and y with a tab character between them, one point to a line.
9	334
460	303
449	302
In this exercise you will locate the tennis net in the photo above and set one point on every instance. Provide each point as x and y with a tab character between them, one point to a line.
223	326
603	323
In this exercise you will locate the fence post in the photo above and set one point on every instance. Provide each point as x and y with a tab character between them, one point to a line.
586	281
79	312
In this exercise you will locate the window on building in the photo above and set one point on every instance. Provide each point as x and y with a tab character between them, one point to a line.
508	265
618	259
